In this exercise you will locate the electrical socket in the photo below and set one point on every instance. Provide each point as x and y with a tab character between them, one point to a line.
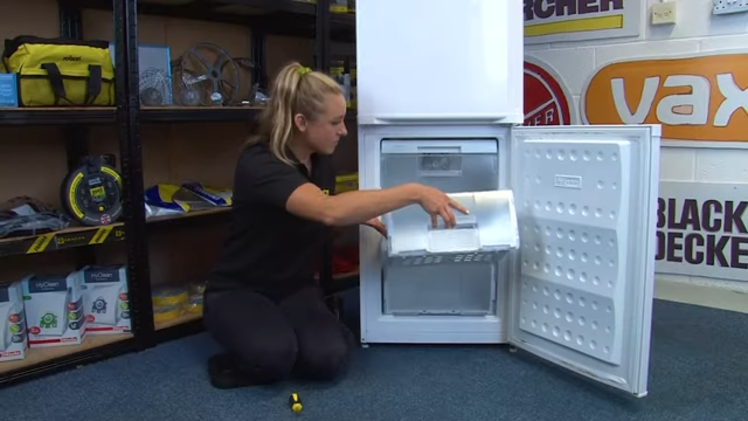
664	13
724	7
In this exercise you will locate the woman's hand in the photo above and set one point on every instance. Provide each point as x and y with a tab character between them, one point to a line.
377	225
437	204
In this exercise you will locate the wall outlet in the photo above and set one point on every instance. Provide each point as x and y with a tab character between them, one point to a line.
664	13
724	7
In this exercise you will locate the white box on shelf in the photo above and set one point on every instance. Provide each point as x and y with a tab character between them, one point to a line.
105	299
54	310
13	338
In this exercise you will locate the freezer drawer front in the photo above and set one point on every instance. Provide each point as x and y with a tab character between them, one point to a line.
457	61
582	285
457	289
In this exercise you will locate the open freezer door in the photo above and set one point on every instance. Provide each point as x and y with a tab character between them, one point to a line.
582	284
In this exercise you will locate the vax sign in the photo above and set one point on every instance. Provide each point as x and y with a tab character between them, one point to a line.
697	98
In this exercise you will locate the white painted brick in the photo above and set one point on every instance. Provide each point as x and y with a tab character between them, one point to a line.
728	42
677	164
575	114
693	21
599	42
725	24
535	47
573	64
722	165
608	54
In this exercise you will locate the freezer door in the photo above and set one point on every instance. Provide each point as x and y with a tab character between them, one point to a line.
439	61
581	288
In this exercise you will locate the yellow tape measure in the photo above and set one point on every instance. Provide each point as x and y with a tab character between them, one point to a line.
92	193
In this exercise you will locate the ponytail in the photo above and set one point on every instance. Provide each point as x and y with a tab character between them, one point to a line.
296	89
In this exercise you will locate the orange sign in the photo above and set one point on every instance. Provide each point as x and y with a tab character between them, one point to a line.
697	98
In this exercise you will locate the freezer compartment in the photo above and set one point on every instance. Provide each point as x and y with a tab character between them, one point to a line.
490	227
434	270
440	271
451	166
457	289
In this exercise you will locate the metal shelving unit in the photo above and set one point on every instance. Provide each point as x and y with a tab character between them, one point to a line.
108	115
264	17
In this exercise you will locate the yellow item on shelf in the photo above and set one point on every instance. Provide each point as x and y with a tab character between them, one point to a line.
173	302
346	182
166	313
47	77
170	297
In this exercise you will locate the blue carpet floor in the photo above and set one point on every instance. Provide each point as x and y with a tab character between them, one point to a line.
699	371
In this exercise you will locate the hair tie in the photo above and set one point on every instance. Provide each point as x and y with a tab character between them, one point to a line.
304	70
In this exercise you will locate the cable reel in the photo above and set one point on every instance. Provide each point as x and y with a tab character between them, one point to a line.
92	193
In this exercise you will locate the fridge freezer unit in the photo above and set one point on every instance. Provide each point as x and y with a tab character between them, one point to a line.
557	258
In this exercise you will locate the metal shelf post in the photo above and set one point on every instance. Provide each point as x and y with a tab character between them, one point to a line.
128	123
76	136
259	57
322	39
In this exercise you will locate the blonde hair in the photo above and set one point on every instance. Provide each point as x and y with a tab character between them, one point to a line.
296	90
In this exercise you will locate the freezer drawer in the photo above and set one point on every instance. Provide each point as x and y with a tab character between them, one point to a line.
459	289
490	227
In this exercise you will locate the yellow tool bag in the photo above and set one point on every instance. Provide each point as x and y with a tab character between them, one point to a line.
61	72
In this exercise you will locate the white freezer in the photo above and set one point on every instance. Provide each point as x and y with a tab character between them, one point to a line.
557	255
579	289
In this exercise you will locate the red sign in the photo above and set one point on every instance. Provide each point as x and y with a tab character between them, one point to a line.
546	101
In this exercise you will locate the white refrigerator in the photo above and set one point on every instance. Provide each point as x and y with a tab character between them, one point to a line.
557	255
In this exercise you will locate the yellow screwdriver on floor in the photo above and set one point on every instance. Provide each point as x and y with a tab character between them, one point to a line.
295	403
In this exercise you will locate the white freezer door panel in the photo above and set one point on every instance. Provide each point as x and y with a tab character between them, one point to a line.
582	287
451	61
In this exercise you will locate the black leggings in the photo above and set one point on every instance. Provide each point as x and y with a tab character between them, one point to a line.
298	335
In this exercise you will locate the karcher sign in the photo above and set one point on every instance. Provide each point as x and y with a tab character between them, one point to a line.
576	20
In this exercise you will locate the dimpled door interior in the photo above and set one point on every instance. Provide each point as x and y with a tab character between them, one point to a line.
584	212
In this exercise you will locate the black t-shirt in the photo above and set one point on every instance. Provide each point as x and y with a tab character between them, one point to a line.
268	248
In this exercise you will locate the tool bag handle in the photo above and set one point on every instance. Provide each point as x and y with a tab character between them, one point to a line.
93	88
